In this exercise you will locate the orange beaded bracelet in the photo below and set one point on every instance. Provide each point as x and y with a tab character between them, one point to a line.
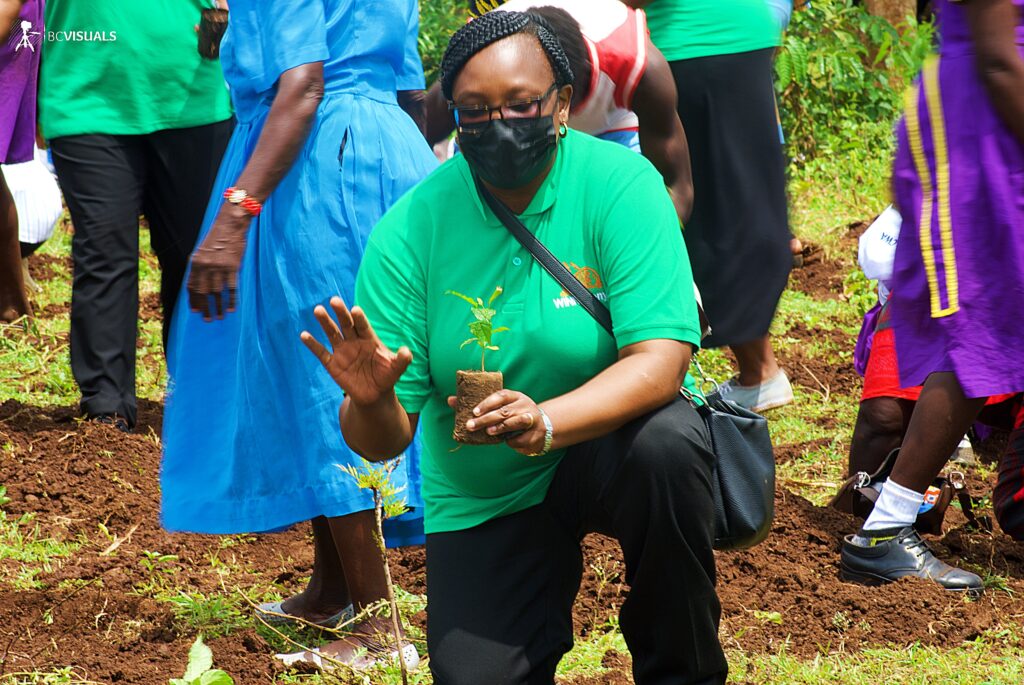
237	196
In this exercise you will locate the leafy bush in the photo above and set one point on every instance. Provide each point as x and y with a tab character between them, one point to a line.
439	19
841	74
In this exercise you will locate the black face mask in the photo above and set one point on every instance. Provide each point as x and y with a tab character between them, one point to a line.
509	153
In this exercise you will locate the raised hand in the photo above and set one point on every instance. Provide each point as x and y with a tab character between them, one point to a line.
358	361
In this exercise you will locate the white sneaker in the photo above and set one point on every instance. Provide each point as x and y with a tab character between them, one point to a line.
773	393
964	453
363	661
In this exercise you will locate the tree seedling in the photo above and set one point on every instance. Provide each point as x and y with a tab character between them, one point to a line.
472	386
387	503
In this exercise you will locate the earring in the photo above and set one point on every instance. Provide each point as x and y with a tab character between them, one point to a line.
563	130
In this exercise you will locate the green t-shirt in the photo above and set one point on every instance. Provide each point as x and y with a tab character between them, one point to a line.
125	67
683	29
604	212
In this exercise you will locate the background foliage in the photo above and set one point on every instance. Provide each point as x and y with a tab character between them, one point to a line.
840	76
439	19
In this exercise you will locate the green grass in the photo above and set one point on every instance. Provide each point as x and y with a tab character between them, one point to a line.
826	196
25	553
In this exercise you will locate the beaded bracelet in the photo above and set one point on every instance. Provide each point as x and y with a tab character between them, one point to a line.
237	196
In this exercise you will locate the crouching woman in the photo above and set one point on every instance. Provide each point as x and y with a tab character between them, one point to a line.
595	435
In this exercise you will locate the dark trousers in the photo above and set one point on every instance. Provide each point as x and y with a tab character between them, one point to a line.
500	595
108	181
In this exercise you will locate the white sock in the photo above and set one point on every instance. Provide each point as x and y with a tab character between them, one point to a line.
896	507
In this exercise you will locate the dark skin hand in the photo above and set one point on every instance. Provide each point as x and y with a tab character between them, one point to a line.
646	375
993	29
662	138
216	261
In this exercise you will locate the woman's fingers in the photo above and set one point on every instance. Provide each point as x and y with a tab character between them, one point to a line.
501	415
520	421
453	401
314	346
344	316
361	325
496	400
330	328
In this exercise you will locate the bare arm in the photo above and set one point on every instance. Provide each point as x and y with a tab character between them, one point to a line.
637	4
440	122
216	261
993	28
414	104
662	138
646	376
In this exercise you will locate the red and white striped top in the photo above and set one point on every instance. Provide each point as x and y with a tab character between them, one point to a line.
616	36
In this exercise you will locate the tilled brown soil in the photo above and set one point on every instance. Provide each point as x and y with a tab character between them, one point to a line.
89	611
95	485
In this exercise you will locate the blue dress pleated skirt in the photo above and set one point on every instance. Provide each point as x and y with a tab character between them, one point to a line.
251	435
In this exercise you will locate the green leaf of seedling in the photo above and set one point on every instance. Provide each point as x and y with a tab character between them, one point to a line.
492	347
494	295
500	329
482	331
483	313
200	659
470	300
216	677
466	342
178	681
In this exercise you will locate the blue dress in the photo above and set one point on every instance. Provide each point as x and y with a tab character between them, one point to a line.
251	436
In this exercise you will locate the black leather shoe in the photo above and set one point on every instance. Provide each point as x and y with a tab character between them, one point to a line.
114	420
904	555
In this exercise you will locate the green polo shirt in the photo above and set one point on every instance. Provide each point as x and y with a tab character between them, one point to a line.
683	29
125	67
604	212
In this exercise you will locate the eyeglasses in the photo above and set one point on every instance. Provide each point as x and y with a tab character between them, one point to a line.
475	118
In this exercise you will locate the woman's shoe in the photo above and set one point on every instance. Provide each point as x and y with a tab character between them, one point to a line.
274	614
362	660
774	392
904	554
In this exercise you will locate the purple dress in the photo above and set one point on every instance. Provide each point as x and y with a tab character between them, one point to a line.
19	64
958	278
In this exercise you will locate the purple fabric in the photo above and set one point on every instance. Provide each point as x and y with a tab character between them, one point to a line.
976	331
19	64
862	351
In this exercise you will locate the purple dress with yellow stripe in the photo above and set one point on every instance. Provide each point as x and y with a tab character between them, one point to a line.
958	278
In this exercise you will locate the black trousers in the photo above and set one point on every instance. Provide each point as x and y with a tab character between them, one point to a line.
108	181
500	595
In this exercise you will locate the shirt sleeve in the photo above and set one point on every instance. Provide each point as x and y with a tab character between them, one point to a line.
391	289
410	76
648	279
274	37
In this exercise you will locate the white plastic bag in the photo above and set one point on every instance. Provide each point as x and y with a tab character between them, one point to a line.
36	196
877	248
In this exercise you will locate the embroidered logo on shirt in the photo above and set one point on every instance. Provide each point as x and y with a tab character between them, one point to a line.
586	275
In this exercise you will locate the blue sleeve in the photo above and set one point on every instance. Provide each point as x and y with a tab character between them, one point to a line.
410	76
782	10
273	37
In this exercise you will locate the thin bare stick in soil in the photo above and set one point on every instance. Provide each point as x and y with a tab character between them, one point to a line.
378	510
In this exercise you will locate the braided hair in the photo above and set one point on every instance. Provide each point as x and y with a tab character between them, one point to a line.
492	27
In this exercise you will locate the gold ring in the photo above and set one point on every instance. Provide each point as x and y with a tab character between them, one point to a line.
530	416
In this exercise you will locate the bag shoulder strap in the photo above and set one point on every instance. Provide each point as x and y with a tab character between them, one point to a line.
548	261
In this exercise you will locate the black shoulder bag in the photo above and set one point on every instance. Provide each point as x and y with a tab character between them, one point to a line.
743	483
